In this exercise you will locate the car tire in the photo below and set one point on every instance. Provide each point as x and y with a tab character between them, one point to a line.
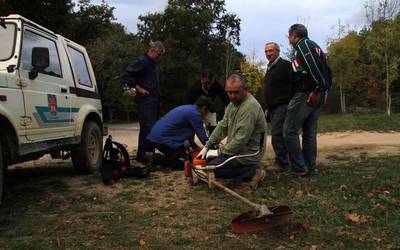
87	156
1	174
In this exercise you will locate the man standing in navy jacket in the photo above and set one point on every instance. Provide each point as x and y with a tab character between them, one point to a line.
141	75
178	125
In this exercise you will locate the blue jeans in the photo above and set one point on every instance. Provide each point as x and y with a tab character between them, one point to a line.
148	113
233	169
301	116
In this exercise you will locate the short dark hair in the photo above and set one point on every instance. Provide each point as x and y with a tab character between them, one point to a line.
204	101
207	73
299	30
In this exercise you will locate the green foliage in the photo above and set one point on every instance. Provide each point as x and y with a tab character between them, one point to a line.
109	57
52	14
253	74
197	35
367	64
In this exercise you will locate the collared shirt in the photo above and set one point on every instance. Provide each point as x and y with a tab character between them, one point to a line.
271	64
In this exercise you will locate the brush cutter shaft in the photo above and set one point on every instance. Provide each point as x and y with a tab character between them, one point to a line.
255	206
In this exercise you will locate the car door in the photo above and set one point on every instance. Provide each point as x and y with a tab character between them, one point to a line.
46	97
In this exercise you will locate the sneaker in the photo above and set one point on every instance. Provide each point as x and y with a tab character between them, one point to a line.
274	168
257	178
298	172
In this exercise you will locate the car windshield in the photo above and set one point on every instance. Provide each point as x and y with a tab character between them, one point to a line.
7	38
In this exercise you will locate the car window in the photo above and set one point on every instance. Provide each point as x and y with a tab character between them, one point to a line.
31	40
7	37
79	66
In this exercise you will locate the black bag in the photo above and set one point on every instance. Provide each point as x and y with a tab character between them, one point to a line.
116	163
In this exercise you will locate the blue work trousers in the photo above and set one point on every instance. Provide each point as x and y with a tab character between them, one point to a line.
148	114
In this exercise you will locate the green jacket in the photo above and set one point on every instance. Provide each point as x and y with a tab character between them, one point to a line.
308	66
243	125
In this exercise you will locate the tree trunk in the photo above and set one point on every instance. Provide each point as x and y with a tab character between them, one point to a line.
388	99
342	100
128	116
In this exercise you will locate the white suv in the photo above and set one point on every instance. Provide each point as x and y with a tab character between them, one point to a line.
49	102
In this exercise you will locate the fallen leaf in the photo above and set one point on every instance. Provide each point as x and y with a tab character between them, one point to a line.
370	195
142	242
292	190
291	237
359	219
379	206
343	188
376	239
280	247
340	231
313	247
299	193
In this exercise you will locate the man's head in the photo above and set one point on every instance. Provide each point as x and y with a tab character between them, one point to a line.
272	51
296	32
156	49
204	104
207	79
235	89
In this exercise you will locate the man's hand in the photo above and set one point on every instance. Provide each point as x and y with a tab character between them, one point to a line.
203	153
131	92
141	91
213	153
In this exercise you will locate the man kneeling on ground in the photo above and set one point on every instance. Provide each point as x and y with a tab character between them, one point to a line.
243	124
180	124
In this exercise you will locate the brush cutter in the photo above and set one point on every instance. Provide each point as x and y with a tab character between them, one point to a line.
260	217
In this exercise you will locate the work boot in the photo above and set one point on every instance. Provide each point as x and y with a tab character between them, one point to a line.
257	178
274	168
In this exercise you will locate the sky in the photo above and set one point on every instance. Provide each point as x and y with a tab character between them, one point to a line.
265	20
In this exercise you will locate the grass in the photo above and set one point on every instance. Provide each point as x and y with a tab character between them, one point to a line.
361	121
47	208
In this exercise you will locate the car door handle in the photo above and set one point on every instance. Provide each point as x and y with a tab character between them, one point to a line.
64	90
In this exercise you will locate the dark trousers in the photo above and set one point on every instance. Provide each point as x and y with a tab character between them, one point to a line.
173	157
148	113
233	169
277	116
301	116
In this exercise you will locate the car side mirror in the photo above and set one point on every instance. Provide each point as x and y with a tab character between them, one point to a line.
40	61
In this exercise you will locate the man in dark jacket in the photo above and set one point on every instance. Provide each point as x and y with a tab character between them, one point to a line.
208	86
304	107
277	84
142	77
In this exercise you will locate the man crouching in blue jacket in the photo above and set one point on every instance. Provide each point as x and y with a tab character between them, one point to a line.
180	124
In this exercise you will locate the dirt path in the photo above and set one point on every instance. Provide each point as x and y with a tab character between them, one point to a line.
351	143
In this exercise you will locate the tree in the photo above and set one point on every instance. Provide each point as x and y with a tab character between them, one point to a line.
382	43
109	57
91	21
197	34
55	15
253	74
343	55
